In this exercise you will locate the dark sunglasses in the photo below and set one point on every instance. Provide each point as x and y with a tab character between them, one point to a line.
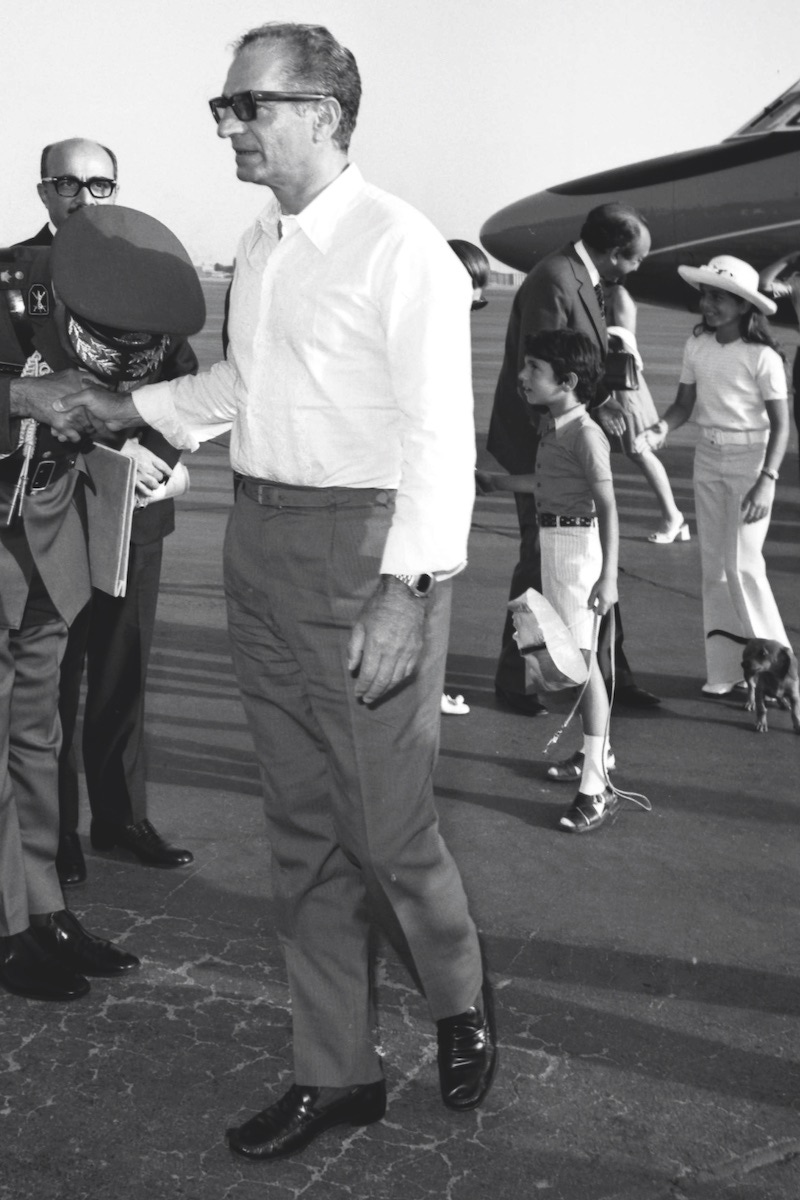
244	104
70	185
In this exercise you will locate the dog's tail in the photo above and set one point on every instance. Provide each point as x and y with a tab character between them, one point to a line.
733	636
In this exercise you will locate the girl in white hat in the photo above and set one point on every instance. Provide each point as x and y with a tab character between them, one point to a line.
733	383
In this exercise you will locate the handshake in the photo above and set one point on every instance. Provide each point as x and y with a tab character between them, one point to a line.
73	405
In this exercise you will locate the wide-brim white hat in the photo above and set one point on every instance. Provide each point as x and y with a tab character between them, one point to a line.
553	660
730	275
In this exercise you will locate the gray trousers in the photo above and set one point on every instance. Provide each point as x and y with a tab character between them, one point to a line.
347	789
30	734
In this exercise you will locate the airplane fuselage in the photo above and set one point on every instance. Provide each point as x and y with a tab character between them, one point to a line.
740	197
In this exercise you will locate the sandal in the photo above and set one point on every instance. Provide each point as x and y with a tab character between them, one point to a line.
570	769
454	705
590	812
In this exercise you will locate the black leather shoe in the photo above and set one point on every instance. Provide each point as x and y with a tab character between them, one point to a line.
529	706
70	863
632	696
292	1123
64	938
467	1055
27	970
142	840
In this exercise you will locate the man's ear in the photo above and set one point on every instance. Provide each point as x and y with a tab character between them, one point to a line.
41	189
329	116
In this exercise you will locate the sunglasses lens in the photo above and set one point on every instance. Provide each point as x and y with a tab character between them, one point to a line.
244	106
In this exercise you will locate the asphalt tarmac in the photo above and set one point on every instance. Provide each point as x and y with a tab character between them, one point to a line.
646	975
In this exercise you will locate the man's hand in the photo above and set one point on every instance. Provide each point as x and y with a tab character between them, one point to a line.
151	471
611	417
107	412
38	397
604	595
386	641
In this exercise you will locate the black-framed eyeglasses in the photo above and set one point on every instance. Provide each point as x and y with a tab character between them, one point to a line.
69	185
244	104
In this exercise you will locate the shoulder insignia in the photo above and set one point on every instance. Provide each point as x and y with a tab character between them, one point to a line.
38	301
35	366
9	276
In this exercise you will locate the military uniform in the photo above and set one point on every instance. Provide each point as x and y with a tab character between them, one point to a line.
44	583
44	567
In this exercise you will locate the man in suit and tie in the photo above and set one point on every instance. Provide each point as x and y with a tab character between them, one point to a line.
112	634
563	291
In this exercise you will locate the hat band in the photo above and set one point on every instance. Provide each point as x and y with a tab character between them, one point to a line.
117	363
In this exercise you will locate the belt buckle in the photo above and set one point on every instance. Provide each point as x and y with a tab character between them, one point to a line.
43	475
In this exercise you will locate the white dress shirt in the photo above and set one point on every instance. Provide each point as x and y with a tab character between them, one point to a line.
348	366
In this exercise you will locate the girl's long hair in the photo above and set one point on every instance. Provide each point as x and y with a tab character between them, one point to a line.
753	327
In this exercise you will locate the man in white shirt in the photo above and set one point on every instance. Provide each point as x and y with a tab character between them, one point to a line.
348	390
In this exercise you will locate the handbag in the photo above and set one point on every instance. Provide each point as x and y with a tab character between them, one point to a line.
619	371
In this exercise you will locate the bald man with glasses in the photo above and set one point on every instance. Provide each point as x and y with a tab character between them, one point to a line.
111	635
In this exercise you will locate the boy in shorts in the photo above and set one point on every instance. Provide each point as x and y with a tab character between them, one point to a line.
579	538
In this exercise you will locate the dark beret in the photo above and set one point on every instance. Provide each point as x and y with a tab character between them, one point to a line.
124	270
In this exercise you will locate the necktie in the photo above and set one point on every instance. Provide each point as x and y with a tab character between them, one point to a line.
601	300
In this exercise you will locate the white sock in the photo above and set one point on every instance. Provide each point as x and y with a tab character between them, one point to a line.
593	778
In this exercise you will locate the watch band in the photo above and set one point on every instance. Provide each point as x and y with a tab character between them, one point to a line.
768	471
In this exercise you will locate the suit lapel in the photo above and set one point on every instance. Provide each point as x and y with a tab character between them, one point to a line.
588	297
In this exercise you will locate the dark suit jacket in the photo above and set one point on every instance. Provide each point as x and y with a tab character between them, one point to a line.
557	294
43	238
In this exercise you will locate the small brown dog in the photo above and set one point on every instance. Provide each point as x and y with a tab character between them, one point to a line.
769	669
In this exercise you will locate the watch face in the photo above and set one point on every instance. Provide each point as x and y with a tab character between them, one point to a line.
424	584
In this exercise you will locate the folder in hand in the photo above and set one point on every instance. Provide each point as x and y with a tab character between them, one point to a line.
109	489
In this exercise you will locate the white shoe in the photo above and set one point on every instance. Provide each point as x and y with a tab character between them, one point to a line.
723	689
676	533
454	706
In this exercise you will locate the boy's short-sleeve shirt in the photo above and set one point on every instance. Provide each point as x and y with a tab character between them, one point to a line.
573	453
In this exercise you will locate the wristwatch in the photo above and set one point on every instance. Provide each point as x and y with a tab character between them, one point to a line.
418	585
768	471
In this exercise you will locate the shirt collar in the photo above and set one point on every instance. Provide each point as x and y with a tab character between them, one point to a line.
558	423
583	255
318	220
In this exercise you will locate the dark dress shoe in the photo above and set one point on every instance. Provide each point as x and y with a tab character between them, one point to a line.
63	937
142	840
467	1055
292	1123
529	706
632	696
27	970
70	863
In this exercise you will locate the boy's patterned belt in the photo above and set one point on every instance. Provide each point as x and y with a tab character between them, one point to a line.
550	521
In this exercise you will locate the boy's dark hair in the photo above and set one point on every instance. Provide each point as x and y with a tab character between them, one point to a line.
568	352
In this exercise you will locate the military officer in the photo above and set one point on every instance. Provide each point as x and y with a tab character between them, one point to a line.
117	273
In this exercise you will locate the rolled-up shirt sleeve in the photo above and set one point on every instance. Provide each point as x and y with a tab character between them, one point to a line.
426	309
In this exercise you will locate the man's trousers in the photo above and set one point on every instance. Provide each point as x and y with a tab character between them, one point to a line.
347	788
113	635
29	739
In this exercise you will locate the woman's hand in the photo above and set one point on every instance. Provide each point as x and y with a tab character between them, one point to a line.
758	501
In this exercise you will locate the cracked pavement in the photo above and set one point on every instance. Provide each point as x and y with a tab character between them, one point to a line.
646	977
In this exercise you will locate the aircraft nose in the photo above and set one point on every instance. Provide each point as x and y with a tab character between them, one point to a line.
521	233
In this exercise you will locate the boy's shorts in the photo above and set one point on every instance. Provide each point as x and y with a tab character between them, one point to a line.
572	560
